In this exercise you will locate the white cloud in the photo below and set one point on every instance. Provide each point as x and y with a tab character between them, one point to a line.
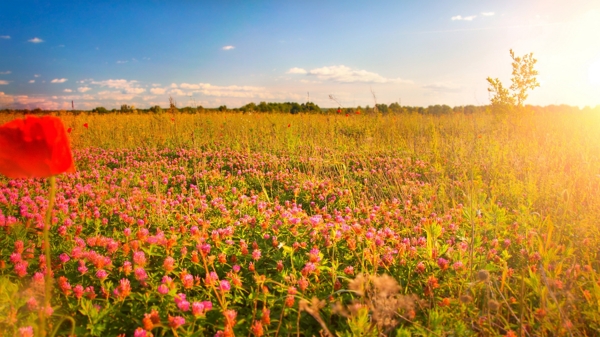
122	62
443	87
2	82
158	91
5	72
31	81
68	90
126	87
232	91
84	89
6	37
228	48
58	80
344	74
134	90
466	18
177	92
37	75
296	70
35	40
487	13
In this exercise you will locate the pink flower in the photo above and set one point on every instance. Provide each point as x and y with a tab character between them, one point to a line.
188	281
82	268
181	302
64	257
303	283
32	303
139	258
256	254
162	289
176	322
200	308
224	285
26	331
78	291
442	263
204	249
169	264
127	267
21	268
140	274
101	274
139	332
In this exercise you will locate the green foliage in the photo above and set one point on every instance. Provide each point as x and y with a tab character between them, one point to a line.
100	110
523	79
156	109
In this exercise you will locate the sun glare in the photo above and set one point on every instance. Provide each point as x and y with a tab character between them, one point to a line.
594	73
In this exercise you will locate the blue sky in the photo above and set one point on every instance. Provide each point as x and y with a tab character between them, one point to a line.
109	53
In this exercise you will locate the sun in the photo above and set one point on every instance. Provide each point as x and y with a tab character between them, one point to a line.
594	73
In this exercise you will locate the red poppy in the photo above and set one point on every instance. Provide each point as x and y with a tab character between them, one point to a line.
34	147
289	125
85	125
69	130
339	110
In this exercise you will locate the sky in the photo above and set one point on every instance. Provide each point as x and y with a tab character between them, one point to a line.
213	53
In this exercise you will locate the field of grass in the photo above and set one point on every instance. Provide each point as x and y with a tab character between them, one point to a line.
300	225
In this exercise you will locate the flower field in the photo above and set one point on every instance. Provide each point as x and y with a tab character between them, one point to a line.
306	225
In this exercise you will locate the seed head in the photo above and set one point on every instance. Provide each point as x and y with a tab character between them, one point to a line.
483	275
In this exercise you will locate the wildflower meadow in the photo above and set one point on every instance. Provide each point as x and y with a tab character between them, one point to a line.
231	224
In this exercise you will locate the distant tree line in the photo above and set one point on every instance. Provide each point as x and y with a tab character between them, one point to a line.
311	108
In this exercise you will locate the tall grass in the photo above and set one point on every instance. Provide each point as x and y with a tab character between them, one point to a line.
532	178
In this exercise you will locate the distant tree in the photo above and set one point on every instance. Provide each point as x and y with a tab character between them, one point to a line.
523	79
100	110
439	109
383	108
296	108
200	108
156	109
223	108
395	107
126	108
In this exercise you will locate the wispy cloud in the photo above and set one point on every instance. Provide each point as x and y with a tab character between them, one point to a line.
2	82
35	40
443	87
68	90
59	80
488	13
37	75
122	62
5	72
31	81
5	37
344	74
84	89
228	48
465	18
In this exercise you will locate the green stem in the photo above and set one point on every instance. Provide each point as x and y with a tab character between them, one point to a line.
48	278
